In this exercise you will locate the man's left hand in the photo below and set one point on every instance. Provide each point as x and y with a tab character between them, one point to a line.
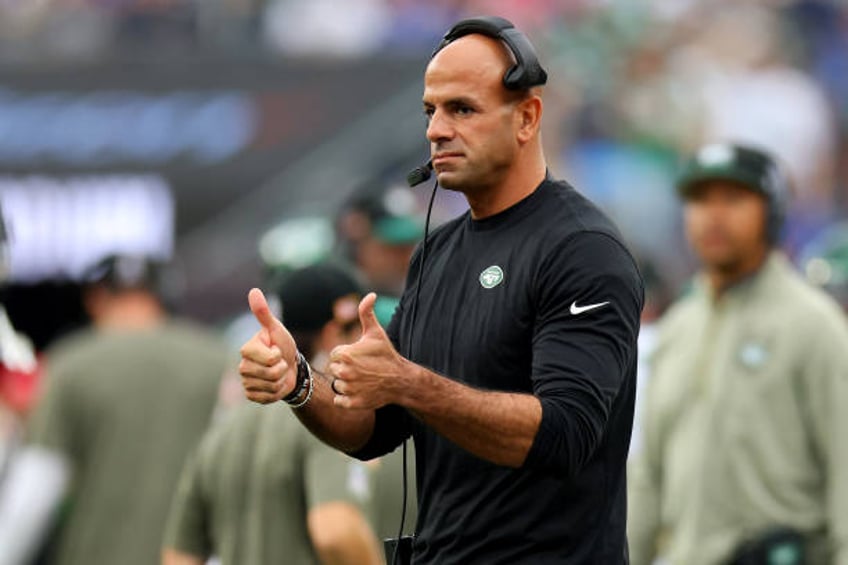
367	374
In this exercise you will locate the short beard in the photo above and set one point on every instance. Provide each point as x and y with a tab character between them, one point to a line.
734	267
728	266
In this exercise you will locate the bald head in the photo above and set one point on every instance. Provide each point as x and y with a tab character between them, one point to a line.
476	56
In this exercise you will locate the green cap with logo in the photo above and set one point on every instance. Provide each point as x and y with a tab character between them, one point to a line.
752	168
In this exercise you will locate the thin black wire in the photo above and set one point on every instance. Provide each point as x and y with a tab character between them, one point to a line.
413	315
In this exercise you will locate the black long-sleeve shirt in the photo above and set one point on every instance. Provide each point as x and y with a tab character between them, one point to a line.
543	299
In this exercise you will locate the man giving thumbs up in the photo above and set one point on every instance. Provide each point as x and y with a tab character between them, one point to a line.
511	358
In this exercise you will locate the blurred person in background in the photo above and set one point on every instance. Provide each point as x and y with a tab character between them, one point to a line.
120	411
378	233
383	255
325	28
381	244
20	370
743	459
260	488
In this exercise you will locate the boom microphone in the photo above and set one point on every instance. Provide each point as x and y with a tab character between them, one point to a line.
419	174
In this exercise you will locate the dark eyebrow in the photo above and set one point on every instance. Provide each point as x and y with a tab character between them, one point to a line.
462	101
454	102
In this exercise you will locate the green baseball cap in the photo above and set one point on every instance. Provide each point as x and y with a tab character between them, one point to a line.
751	168
399	230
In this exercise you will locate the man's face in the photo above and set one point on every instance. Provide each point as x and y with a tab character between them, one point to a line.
384	265
471	116
725	224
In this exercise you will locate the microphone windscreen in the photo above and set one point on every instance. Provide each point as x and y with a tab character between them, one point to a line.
419	174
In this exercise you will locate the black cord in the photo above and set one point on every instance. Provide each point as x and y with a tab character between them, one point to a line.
413	315
403	509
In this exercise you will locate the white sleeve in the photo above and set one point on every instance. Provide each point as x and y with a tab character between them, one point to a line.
29	495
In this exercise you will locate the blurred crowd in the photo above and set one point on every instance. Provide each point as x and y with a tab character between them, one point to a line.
634	85
321	27
638	91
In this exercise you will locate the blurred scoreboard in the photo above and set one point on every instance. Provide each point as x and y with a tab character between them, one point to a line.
59	226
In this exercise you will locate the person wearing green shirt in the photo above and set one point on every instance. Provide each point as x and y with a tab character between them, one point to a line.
743	459
107	439
260	489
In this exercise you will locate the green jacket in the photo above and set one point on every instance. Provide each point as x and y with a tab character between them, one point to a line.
245	493
124	408
744	422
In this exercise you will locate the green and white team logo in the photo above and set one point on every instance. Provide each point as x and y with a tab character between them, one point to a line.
491	277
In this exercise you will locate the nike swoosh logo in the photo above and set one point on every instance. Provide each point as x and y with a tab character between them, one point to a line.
575	309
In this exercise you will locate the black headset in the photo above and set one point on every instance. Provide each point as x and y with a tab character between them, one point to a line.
526	72
776	187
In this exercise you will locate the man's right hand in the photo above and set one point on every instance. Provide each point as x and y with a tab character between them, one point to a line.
269	359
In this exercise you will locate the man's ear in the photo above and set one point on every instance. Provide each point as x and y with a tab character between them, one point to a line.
528	114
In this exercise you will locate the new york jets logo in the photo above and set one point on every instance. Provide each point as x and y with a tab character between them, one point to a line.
491	277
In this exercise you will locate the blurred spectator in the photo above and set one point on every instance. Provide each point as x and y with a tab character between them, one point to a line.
742	459
121	409
324	27
378	233
20	370
383	256
20	375
260	488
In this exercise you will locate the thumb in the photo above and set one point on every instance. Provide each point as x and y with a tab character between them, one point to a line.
367	318
278	335
260	309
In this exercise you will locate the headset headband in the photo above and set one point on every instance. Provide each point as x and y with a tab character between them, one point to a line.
526	73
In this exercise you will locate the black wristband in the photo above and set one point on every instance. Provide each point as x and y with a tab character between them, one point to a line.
300	382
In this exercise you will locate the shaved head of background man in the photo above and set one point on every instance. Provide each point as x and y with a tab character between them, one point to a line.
511	358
